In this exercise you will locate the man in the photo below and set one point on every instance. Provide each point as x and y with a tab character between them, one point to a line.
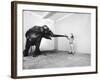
71	45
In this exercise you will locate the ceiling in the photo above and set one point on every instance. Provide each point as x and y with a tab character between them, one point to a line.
52	15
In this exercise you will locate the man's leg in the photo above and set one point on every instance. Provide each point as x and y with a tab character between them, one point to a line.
70	49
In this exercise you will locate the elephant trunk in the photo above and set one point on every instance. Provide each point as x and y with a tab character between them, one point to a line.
56	35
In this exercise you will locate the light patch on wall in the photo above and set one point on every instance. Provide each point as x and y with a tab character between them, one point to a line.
80	26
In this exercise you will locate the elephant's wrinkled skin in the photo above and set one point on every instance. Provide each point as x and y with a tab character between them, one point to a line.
34	37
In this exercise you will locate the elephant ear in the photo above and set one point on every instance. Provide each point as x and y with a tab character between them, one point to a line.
41	29
48	35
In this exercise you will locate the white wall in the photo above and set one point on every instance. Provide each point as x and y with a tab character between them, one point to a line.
31	19
79	25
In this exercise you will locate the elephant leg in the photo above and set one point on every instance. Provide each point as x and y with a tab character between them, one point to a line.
28	44
37	50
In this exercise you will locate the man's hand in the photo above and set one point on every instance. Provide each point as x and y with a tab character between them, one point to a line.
66	36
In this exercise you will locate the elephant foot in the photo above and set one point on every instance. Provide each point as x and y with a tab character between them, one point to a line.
25	53
36	53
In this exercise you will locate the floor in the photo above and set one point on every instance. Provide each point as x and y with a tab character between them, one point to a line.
56	59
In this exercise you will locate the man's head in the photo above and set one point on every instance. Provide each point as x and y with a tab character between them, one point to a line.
72	36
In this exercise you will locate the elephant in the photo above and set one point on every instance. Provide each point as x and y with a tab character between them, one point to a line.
34	36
